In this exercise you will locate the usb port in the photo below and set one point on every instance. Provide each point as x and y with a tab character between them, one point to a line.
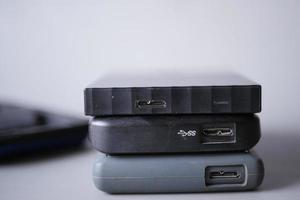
146	104
228	174
222	174
217	134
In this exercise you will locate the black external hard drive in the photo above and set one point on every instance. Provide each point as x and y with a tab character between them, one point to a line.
25	130
172	94
174	133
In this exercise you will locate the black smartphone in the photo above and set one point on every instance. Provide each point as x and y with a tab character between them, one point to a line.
25	130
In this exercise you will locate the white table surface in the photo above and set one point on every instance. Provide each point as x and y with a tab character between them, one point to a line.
67	175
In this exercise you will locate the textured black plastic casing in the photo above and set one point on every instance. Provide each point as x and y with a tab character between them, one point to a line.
179	100
163	134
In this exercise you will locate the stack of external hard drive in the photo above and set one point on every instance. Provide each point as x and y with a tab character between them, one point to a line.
175	133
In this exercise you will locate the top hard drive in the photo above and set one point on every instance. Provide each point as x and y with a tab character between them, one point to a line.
172	94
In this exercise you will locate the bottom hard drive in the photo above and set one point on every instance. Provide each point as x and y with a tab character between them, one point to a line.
178	173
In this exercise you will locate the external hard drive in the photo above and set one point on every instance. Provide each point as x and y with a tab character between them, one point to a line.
172	94
26	130
178	173
174	134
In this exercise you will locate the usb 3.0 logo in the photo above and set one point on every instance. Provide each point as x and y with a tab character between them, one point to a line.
189	133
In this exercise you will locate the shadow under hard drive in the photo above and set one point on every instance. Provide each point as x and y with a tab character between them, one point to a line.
280	153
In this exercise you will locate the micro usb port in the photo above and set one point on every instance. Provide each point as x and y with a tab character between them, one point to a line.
147	104
227	174
218	131
217	134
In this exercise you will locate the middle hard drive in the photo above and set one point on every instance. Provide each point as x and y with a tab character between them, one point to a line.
174	134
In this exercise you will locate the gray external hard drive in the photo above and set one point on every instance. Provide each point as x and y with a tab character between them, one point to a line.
185	173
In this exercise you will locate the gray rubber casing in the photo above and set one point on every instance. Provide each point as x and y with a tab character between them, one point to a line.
172	173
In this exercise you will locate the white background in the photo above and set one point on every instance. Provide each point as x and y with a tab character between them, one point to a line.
51	49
